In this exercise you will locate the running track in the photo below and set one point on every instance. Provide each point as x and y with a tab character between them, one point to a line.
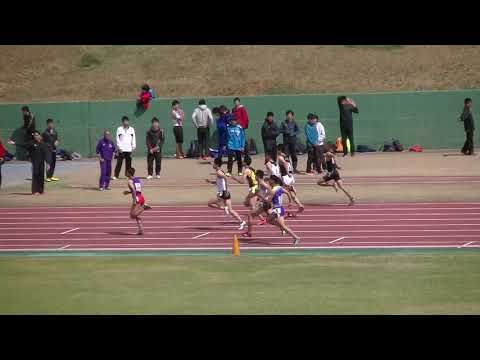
196	228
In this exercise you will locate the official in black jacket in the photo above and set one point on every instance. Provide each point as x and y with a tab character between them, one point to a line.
155	140
469	126
346	108
270	132
50	138
289	129
39	154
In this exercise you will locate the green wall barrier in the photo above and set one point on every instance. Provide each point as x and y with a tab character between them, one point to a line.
425	118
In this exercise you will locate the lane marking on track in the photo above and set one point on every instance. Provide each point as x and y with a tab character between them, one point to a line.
340	238
64	247
69	231
304	215
198	236
465	245
243	248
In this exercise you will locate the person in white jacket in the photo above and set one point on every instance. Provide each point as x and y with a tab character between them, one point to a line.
126	144
202	119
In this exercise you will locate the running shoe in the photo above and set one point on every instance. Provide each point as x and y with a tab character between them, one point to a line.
147	207
240	174
48	180
227	174
284	233
114	178
54	178
140	232
158	176
246	234
149	177
296	241
101	189
242	225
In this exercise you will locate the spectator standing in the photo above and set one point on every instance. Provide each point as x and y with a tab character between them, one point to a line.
469	126
315	135
240	113
39	154
105	150
270	132
223	120
2	160
289	129
155	140
178	116
23	135
126	144
50	138
346	108
235	145
202	120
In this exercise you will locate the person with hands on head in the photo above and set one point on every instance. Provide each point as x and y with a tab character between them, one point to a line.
346	108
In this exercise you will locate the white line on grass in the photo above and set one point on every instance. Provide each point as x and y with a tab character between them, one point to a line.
64	247
340	238
198	236
69	231
465	245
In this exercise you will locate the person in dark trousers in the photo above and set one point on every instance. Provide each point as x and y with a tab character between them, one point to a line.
28	123
178	115
235	145
270	132
50	138
469	126
289	129
203	119
126	144
105	150
315	135
39	154
2	160
155	140
346	107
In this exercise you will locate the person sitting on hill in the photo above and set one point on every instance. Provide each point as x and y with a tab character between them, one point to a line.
146	95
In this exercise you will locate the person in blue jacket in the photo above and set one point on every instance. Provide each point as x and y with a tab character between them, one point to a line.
224	117
105	150
235	145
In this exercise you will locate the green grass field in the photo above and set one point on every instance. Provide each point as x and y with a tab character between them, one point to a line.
364	282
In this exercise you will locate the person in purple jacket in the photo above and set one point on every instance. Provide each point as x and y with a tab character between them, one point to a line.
105	150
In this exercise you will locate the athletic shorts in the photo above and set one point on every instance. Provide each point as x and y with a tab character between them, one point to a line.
288	180
178	132
278	211
224	195
139	199
334	175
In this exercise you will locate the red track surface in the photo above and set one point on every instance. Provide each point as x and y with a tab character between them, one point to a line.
196	227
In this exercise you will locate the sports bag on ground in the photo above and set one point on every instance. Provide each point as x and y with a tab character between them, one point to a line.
194	149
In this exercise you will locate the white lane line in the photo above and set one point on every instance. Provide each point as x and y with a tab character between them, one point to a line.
304	215
198	236
68	231
202	206
218	237
465	245
312	209
340	238
295	220
64	247
243	248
